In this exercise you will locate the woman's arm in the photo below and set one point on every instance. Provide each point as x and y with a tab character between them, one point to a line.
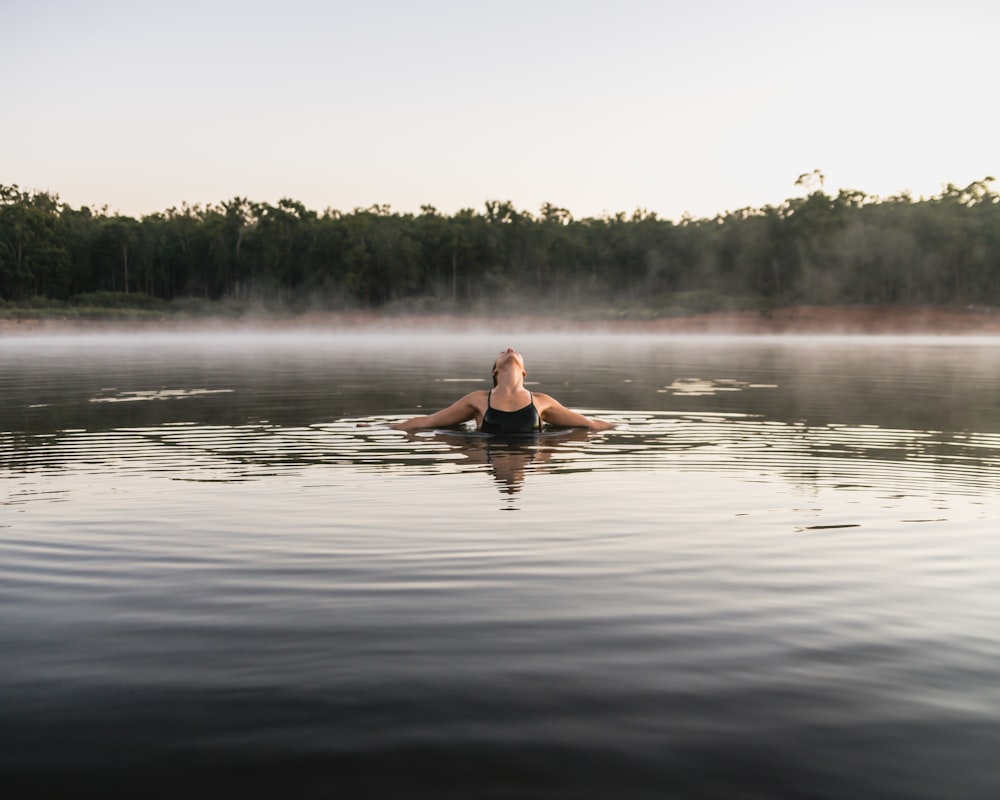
458	412
555	413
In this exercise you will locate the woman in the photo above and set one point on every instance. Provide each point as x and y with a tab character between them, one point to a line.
508	408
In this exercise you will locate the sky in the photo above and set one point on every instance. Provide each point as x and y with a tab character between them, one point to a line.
696	107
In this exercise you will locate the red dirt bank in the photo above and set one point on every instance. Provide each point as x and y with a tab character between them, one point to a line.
894	320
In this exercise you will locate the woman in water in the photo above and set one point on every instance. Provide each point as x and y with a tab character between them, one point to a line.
508	408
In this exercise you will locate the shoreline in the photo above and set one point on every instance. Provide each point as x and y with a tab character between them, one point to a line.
792	320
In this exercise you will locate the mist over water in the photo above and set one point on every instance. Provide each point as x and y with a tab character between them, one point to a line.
776	577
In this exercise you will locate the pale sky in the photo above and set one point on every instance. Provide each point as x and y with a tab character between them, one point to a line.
699	107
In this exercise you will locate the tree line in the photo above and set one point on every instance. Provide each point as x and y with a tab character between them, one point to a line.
817	248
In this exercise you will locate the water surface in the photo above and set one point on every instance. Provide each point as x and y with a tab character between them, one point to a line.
776	578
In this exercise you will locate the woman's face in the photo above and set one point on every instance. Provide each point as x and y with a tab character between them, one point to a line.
508	355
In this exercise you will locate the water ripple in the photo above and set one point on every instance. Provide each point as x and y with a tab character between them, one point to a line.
757	449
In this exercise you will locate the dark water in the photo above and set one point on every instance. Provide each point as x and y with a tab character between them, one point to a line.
778	577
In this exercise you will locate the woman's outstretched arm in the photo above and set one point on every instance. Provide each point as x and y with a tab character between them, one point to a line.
458	412
555	413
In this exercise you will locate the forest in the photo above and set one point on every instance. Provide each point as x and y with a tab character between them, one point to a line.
241	255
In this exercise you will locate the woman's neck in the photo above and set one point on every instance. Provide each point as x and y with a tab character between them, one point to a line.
510	381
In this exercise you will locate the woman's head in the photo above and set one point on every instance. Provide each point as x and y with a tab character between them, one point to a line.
508	359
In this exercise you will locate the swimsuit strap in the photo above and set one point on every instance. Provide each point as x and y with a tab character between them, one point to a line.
489	395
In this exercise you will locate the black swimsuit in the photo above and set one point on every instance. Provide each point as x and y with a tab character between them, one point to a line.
524	420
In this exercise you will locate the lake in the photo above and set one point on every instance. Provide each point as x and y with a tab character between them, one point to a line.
221	572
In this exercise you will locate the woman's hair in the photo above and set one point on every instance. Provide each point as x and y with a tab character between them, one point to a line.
494	374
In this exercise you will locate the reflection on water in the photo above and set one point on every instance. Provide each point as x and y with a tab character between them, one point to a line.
509	459
776	577
833	455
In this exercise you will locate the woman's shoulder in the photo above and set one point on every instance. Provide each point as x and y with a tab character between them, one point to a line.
476	397
541	399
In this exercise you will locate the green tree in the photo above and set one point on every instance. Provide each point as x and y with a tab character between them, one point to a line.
33	256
